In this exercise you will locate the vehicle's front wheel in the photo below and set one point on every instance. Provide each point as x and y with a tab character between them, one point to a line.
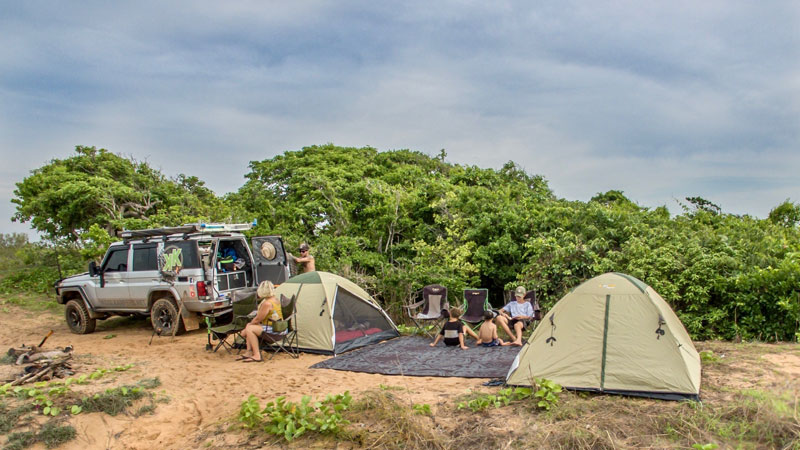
164	316
78	319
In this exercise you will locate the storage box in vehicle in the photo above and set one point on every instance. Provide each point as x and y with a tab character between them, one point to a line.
231	280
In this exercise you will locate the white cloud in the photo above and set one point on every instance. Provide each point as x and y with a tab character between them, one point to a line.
660	100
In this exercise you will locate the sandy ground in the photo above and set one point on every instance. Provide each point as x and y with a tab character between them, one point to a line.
205	389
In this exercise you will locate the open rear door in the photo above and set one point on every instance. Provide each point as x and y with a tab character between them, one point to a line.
270	259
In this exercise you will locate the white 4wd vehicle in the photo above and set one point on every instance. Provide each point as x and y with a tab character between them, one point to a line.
192	270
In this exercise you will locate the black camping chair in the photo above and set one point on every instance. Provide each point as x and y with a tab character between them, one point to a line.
429	309
476	301
283	337
244	302
537	311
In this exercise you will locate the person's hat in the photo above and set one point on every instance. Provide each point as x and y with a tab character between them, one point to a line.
268	250
520	291
304	247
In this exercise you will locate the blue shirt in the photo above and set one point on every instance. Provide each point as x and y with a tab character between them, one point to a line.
516	308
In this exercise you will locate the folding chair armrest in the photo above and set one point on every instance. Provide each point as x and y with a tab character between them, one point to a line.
290	317
414	305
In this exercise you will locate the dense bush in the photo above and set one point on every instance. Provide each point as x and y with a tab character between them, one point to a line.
396	221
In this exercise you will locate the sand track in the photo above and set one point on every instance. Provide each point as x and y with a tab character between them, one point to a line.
205	389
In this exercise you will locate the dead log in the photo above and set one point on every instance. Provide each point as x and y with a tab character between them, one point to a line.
48	367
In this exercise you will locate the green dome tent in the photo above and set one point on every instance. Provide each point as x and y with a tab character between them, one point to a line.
612	334
334	315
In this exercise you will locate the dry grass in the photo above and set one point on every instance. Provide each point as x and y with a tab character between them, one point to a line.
381	420
746	404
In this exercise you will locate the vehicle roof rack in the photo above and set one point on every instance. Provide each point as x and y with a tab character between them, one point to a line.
186	230
223	227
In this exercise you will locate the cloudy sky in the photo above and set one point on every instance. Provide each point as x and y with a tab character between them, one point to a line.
662	100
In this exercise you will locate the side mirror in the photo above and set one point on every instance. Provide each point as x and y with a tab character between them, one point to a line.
93	269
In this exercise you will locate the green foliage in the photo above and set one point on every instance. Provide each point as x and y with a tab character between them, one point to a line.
413	331
20	440
707	356
546	393
10	416
787	214
250	413
115	400
422	409
398	220
34	267
63	198
291	420
53	435
503	398
709	446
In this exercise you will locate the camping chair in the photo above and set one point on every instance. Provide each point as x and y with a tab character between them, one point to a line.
537	310
283	338
434	300
476	301
244	302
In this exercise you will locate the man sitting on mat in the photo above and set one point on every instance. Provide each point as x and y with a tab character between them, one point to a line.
515	315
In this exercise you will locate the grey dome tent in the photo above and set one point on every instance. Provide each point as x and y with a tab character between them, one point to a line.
335	315
612	334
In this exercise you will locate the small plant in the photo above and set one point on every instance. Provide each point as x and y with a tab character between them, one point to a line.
109	336
54	435
708	356
503	398
20	440
112	401
423	409
291	420
546	393
8	418
709	446
413	331
250	413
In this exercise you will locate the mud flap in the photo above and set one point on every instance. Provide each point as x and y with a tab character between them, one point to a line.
190	320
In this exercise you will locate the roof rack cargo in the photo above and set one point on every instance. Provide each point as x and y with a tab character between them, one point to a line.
207	227
187	229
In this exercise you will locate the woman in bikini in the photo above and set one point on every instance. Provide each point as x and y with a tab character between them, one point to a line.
269	310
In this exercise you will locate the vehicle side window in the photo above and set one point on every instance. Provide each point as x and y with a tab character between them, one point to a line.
189	253
117	260
145	257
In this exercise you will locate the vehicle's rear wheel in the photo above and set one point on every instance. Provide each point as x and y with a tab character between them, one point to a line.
78	319
164	316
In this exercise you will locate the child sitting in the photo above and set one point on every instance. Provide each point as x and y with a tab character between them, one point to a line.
487	335
452	331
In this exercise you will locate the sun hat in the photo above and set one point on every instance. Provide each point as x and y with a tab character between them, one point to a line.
268	250
520	291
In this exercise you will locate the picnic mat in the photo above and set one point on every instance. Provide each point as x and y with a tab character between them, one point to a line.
413	356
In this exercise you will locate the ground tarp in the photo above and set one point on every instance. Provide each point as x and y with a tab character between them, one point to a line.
413	356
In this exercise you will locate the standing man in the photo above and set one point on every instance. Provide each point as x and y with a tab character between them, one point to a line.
305	262
515	315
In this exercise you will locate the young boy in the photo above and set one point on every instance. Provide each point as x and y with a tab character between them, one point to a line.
452	331
487	335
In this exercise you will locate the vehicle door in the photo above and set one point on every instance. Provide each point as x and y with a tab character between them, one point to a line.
144	274
270	259
113	291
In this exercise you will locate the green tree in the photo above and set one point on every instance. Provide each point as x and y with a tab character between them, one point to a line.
65	197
